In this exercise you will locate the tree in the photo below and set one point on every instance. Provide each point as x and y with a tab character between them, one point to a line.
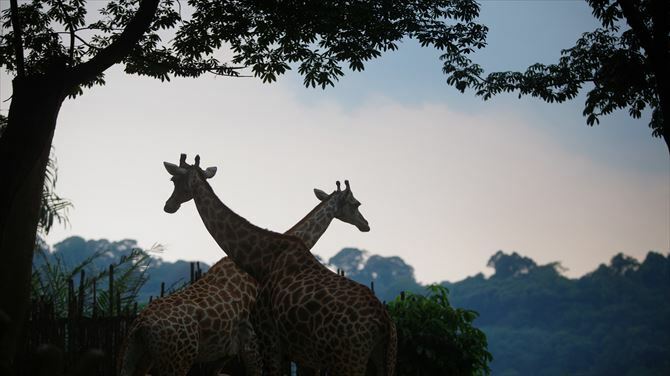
625	64
513	265
436	339
52	206
55	53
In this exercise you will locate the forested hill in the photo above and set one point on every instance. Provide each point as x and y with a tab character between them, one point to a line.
75	250
612	321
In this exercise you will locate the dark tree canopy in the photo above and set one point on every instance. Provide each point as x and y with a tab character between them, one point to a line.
435	338
512	265
265	37
612	321
624	64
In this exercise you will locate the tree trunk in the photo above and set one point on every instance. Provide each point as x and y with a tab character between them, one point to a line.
663	85
24	151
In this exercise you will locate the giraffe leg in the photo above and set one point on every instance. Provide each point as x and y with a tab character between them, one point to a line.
305	371
349	369
268	339
248	349
175	367
377	360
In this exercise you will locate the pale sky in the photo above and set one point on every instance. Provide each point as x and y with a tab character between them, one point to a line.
445	179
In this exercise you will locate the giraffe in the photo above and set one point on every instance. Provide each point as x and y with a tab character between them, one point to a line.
206	322
304	311
223	331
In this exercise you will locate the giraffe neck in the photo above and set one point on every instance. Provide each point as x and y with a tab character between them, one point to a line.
251	248
316	222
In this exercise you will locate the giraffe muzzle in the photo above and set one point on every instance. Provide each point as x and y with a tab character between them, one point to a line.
171	208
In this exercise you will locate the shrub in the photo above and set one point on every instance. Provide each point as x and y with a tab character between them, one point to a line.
436	339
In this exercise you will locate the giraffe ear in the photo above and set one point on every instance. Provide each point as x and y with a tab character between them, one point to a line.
173	169
209	172
321	195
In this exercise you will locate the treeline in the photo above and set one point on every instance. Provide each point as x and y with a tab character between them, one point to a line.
96	255
612	321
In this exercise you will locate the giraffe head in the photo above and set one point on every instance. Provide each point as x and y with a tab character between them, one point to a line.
347	206
182	176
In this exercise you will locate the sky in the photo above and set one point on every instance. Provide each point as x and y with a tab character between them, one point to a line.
445	179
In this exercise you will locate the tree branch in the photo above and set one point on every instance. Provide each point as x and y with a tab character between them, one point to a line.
18	39
635	21
660	25
214	72
120	48
86	43
70	26
657	49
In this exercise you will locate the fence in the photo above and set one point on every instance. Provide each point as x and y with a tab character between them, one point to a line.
96	326
86	325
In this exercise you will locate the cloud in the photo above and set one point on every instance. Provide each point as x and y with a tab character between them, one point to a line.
442	188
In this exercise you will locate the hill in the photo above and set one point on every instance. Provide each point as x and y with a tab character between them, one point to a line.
75	250
612	321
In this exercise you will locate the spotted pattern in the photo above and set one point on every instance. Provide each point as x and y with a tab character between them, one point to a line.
205	322
322	320
304	311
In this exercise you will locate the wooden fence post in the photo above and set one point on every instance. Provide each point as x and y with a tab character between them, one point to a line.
118	303
70	298
80	308
192	272
95	299
110	296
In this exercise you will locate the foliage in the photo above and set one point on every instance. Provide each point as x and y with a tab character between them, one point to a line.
52	207
390	275
52	275
266	37
537	322
434	338
75	250
623	64
607	322
510	265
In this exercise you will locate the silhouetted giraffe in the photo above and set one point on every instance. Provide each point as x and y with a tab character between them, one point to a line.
206	322
218	303
304	310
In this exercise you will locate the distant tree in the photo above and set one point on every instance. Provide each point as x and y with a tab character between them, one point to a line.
54	53
436	339
623	65
390	275
510	265
622	264
351	260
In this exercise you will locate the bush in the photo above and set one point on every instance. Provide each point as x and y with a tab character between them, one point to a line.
437	339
